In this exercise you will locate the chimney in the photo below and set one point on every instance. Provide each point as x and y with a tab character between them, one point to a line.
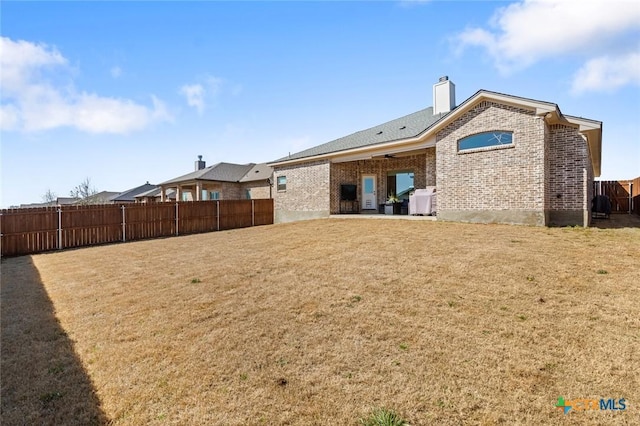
200	164
444	95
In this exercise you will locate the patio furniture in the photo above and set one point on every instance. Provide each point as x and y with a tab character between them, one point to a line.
423	201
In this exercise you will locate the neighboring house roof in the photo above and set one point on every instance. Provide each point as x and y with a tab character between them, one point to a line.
129	195
61	201
422	126
258	172
222	172
226	172
155	192
34	205
102	197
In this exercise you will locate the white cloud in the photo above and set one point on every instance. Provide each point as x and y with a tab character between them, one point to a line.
195	96
607	73
524	33
198	95
8	117
32	102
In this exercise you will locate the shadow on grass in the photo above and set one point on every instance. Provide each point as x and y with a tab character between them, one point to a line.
43	380
617	221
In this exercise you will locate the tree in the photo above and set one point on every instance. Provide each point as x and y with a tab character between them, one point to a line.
49	197
83	191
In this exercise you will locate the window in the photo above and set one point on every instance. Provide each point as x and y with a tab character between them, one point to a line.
214	195
282	183
486	139
247	193
399	184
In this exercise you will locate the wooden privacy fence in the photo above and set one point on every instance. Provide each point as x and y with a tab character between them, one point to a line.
624	194
26	231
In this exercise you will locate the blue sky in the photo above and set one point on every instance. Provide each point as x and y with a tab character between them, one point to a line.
129	92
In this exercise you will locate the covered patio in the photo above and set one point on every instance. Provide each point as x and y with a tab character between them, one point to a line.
364	186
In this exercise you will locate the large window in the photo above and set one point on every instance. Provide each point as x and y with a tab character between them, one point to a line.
282	183
486	139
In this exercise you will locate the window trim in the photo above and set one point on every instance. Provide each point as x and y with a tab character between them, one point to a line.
487	147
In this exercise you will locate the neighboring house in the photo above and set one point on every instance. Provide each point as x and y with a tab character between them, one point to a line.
493	158
102	197
129	196
222	181
153	195
60	201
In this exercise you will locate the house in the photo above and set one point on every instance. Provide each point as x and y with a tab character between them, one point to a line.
102	197
153	195
222	181
493	158
59	201
129	196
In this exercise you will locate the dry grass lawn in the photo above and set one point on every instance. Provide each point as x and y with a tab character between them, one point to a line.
319	322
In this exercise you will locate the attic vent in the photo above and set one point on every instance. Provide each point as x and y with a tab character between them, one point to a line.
379	133
403	127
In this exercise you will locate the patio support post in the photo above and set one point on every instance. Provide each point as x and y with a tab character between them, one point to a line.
198	191
162	194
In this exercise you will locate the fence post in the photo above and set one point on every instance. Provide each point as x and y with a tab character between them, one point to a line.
59	228
253	213
177	218
124	226
218	213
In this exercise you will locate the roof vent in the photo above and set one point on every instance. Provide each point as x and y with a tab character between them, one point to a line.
403	127
379	133
444	96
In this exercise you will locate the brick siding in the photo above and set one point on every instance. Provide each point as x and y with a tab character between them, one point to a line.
568	157
259	190
307	192
492	179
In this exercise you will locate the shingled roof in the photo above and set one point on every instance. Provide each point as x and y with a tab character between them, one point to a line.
401	128
130	194
227	172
